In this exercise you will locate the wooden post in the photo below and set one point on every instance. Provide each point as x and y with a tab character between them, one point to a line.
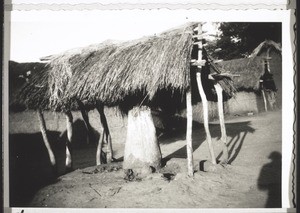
109	152
69	123
189	126
45	139
106	134
219	91
268	60
85	117
204	100
99	159
263	94
265	100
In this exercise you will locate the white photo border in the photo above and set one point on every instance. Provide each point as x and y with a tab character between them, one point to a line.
285	16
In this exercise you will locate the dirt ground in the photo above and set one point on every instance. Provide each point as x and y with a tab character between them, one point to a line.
252	178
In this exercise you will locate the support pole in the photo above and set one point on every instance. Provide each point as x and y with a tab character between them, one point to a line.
87	124
109	153
69	123
189	126
265	100
219	91
99	159
105	133
268	60
45	139
204	101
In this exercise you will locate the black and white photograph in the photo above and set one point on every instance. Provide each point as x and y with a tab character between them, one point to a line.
160	108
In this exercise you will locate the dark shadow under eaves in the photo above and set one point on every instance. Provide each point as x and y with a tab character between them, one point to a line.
29	163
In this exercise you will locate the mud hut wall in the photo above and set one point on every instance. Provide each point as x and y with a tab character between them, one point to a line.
241	104
244	102
26	122
198	111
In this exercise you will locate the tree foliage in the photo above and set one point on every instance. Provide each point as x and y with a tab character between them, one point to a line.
238	40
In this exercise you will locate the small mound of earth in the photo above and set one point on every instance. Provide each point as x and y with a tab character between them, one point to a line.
110	167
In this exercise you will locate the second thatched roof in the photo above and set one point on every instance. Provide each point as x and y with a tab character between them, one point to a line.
266	45
247	70
251	69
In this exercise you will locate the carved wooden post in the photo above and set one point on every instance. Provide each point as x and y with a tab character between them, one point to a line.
219	91
203	96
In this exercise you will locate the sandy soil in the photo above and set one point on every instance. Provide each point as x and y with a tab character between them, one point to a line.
251	179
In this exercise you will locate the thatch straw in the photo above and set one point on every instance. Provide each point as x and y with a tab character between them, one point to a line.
143	66
267	44
71	65
249	69
115	74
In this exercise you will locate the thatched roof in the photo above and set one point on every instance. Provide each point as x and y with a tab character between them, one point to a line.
249	70
113	72
72	65
116	73
264	46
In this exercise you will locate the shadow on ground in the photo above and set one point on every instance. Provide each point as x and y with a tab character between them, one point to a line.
236	134
29	164
30	169
270	180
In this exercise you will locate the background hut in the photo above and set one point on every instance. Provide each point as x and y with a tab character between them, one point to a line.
248	98
270	51
250	70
